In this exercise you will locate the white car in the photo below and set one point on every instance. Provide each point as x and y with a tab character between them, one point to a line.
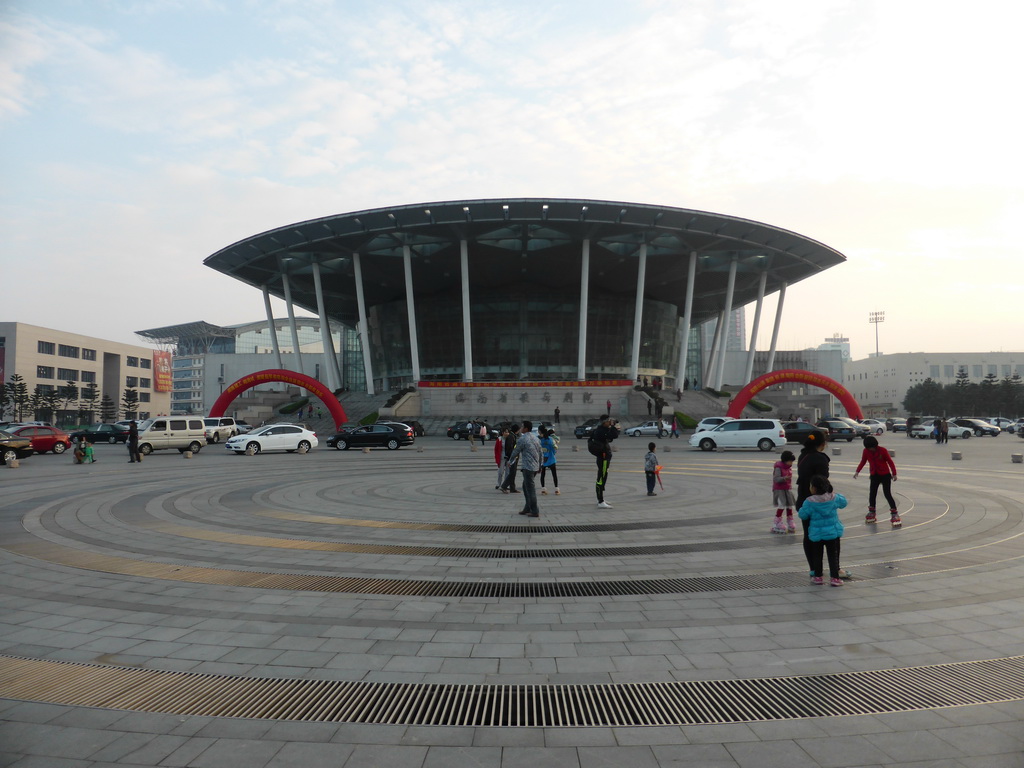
924	431
1003	423
655	427
711	422
274	437
763	434
877	427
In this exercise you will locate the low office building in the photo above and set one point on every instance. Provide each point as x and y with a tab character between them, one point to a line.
53	361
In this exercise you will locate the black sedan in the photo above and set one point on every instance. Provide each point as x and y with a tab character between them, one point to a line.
13	447
584	429
391	436
460	430
979	427
101	433
797	431
837	430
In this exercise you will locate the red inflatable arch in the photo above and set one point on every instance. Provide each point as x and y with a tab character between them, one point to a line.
777	377
288	377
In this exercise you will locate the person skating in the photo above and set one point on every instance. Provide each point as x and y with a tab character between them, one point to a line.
782	493
812	462
821	512
882	473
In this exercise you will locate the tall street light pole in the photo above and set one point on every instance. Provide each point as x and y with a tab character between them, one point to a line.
875	318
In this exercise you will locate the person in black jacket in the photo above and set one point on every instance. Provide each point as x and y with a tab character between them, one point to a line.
812	461
600	445
509	486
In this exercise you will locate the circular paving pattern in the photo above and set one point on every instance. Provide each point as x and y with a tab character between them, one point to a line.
407	578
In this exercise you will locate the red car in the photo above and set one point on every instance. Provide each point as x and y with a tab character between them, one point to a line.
44	438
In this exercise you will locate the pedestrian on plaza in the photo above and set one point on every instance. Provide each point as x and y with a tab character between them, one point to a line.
821	512
882	473
549	462
679	395
509	484
812	462
499	457
133	443
558	415
600	446
651	468
944	430
527	455
675	426
608	408
782	493
471	431
483	433
937	430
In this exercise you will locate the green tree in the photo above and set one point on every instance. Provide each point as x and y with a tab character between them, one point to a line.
130	403
88	405
1011	396
18	394
37	404
961	397
68	396
927	397
5	400
108	408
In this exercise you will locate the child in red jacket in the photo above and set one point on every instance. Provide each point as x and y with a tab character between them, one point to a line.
882	472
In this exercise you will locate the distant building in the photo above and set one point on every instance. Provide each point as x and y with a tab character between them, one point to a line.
48	359
837	341
791	397
207	358
880	383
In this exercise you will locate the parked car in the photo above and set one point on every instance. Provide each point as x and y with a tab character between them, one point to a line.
44	439
837	429
1005	424
655	427
391	436
711	422
243	426
274	437
877	426
219	428
583	430
1018	427
179	433
797	431
860	429
896	424
13	447
101	433
763	434
924	430
980	427
460	430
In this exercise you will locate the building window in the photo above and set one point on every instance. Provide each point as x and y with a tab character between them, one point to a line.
64	350
933	371
88	377
143	397
947	371
44	372
145	362
1006	371
976	371
45	347
145	383
132	361
67	374
45	389
88	354
131	381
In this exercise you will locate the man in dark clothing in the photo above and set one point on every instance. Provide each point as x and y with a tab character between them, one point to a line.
133	443
509	486
600	445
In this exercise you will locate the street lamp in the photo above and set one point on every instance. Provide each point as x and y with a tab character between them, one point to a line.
875	318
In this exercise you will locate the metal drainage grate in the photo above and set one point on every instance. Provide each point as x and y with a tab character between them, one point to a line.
628	704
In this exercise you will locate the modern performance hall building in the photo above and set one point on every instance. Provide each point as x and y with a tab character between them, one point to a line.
528	289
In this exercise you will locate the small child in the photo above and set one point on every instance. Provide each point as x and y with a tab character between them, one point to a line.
882	472
549	459
651	468
821	509
782	492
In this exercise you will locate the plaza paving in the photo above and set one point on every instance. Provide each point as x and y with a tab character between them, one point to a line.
393	609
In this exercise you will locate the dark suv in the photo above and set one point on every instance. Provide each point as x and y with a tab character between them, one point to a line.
584	429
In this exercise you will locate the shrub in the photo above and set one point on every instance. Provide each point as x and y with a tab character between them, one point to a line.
293	406
759	406
370	419
685	422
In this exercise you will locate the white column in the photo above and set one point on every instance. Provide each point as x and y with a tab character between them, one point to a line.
467	328
638	313
770	366
748	375
410	308
325	329
291	321
709	371
581	364
364	327
729	292
684	343
272	327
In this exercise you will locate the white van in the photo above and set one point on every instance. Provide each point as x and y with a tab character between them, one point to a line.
183	433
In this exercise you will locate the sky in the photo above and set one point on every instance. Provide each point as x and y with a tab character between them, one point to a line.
137	137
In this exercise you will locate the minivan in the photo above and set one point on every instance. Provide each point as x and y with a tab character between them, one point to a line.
763	434
183	433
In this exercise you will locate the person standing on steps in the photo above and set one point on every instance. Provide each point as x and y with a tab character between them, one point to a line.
600	446
558	415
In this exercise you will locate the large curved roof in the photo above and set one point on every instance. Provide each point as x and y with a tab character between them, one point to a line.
534	241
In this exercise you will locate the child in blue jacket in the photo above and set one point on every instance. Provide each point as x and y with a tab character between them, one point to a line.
821	509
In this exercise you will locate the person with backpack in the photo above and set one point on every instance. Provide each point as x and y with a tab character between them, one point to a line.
600	446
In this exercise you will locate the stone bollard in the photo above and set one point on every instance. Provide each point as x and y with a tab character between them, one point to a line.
667	448
837	451
575	449
472	447
419	449
957	456
14	463
892	452
366	449
187	454
1017	458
